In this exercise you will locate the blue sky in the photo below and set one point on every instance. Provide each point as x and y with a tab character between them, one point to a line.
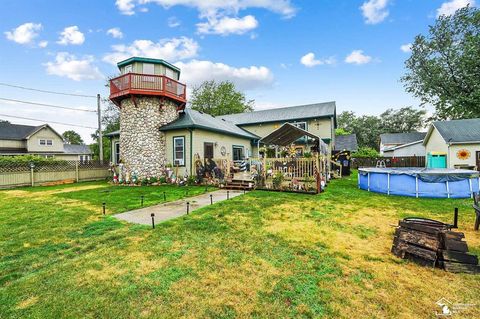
280	52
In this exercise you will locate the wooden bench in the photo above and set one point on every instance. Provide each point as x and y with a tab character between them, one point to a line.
476	208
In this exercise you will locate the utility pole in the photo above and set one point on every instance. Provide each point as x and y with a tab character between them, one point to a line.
100	134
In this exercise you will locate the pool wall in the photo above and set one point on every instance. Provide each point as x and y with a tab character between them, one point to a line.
408	185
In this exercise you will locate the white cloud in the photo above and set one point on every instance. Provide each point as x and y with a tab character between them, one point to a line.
173	49
126	6
115	33
71	35
357	57
211	7
227	25
374	11
449	7
25	33
194	72
173	22
310	61
68	65
406	47
43	44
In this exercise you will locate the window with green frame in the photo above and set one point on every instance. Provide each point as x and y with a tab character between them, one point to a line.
179	151
238	153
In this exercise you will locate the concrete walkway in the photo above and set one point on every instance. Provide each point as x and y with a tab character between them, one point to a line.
174	209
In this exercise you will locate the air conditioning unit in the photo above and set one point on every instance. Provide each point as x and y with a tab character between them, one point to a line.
178	162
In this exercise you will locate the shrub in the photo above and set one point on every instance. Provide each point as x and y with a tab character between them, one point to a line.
27	159
366	152
277	180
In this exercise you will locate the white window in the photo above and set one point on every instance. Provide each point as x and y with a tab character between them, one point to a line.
127	69
169	73
302	125
116	158
49	156
179	151
45	142
148	68
84	158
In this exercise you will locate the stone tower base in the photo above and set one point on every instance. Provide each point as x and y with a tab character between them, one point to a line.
142	145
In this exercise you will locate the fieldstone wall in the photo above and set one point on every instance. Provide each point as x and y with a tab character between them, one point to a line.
142	145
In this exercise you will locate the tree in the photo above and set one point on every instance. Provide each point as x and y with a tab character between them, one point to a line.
341	131
72	137
368	128
219	99
444	67
4	121
406	119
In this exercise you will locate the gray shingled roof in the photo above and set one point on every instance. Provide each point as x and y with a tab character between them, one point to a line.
10	131
402	138
194	119
327	109
77	149
459	131
346	142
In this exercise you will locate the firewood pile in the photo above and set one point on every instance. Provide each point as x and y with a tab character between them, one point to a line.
433	243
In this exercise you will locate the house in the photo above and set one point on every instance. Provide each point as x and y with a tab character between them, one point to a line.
196	135
157	130
402	144
453	144
346	143
39	140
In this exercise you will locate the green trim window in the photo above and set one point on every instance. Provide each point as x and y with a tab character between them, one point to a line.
179	150
237	152
116	152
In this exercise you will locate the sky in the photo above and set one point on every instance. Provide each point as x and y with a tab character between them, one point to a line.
279	52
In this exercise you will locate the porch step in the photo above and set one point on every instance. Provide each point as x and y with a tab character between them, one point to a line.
238	184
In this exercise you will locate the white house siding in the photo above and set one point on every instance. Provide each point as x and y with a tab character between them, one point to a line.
411	150
453	160
34	146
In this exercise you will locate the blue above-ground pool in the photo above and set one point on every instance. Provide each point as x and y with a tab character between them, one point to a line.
420	182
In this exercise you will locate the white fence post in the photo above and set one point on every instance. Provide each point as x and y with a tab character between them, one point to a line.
32	176
77	177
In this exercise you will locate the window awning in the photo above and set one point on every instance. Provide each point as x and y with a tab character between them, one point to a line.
288	134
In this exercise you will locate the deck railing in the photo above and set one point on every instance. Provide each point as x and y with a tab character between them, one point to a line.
135	83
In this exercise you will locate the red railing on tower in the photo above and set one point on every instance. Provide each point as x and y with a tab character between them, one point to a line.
146	84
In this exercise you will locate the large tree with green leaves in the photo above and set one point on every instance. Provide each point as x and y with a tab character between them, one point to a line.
72	137
219	98
444	67
368	128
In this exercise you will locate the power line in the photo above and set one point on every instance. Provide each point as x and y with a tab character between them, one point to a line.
46	91
31	119
48	105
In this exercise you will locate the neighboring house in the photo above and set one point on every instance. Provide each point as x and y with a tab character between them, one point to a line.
455	143
40	140
156	129
402	144
346	143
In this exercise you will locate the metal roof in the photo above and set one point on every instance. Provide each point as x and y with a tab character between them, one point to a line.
346	142
291	113
77	149
147	60
459	131
114	133
10	131
195	119
401	138
288	134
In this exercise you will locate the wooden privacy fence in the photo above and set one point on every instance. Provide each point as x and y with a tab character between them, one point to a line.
25	174
407	161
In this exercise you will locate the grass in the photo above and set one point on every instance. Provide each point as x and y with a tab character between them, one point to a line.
258	255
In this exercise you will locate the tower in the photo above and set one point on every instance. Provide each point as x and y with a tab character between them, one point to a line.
149	96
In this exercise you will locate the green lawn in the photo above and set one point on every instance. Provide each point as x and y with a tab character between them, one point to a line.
259	255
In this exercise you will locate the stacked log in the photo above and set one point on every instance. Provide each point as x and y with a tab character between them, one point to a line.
433	243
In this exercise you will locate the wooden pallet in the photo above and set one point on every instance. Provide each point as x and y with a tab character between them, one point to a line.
431	244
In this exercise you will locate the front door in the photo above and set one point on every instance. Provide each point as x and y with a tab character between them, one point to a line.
478	160
208	150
